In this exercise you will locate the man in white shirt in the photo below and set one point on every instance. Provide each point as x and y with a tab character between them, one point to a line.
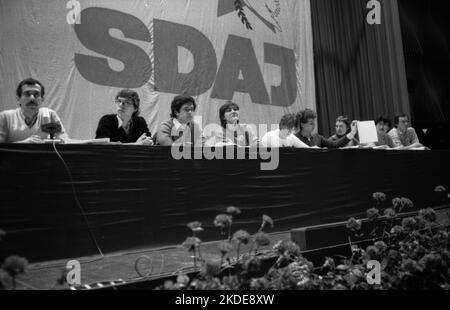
23	125
404	136
284	136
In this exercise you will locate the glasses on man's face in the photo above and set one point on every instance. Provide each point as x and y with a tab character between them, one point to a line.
188	110
290	130
28	94
231	110
124	102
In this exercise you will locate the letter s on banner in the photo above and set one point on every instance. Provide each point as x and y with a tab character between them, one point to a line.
93	33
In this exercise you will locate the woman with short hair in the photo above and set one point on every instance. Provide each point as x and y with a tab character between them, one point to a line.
232	132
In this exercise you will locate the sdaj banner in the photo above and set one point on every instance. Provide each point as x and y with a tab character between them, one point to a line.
257	53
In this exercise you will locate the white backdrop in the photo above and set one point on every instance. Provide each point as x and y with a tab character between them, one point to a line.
159	48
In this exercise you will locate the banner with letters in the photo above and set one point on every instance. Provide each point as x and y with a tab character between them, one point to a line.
258	54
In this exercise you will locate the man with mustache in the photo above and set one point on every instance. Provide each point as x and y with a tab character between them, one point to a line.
383	126
23	125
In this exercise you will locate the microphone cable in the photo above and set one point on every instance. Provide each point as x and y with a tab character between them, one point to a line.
77	201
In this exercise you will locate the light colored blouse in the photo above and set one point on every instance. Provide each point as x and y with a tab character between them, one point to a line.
242	135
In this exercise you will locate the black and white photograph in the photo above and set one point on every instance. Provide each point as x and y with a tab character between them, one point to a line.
224	152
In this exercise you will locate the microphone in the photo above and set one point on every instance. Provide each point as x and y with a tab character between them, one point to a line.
52	128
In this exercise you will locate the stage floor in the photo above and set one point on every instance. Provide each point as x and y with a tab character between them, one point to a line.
120	266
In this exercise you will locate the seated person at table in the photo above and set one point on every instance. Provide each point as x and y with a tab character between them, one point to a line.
23	125
231	132
404	136
383	126
387	124
181	128
126	126
342	129
306	123
284	136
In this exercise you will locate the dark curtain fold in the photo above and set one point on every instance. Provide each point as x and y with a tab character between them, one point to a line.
426	38
359	68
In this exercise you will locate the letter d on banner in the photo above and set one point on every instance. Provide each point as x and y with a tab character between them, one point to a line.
74	274
374	276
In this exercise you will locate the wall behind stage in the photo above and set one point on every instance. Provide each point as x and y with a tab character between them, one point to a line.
159	48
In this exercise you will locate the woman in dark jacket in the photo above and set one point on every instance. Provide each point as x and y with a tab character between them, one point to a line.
126	126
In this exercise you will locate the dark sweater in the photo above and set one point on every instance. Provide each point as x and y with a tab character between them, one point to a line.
320	141
353	142
108	127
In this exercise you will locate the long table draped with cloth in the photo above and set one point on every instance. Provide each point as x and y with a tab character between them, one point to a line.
134	196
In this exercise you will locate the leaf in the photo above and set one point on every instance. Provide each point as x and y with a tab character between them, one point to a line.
342	267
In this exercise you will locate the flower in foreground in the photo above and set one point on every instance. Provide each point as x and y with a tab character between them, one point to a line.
267	220
195	226
389	213
222	220
428	214
353	224
373	214
440	189
242	236
380	197
262	239
191	243
233	210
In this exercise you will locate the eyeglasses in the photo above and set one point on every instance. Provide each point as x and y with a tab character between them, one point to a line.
231	109
124	102
187	110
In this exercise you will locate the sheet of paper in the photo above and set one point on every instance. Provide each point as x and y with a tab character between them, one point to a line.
367	132
92	141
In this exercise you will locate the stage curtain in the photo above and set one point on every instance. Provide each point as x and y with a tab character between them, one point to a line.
359	68
426	41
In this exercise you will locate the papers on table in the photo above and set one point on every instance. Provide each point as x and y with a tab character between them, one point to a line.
367	132
92	141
